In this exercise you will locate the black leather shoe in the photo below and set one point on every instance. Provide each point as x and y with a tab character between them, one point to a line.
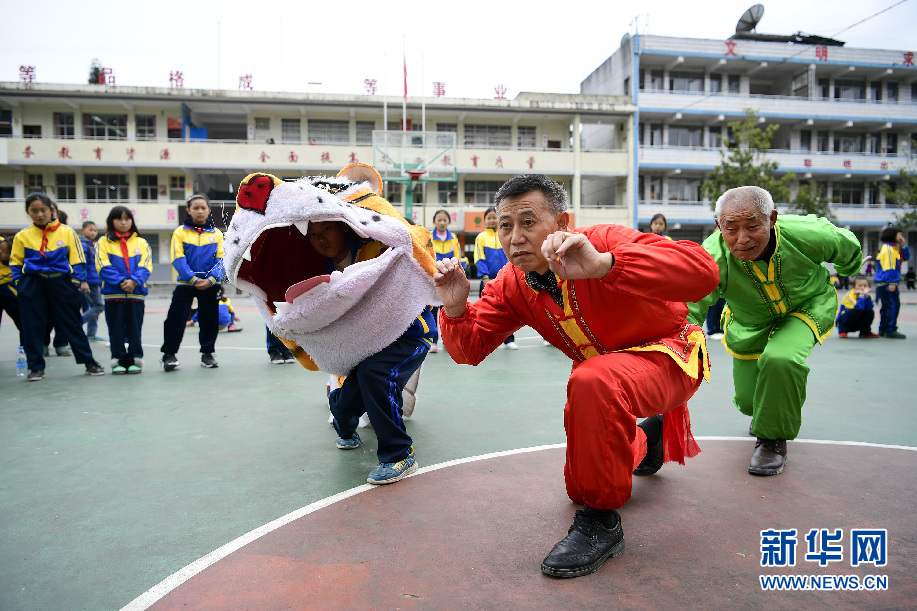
769	457
587	546
652	462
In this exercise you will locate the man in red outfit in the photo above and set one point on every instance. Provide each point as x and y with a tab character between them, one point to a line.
613	300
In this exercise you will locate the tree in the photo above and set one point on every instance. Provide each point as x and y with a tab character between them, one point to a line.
744	164
810	200
95	72
904	193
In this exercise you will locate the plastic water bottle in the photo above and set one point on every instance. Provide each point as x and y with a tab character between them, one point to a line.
21	363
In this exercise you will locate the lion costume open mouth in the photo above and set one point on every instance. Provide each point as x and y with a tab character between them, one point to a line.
338	318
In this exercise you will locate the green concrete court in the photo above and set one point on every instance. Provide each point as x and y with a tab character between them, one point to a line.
110	485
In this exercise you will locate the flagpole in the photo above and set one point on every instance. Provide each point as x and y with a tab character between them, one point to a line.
404	100
385	91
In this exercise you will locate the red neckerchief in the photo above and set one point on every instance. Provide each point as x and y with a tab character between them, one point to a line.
52	226
199	230
124	237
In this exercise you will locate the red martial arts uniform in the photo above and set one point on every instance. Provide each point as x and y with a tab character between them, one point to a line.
634	353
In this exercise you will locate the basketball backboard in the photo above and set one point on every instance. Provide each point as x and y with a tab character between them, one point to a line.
398	154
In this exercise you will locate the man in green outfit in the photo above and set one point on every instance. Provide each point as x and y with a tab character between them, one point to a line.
778	304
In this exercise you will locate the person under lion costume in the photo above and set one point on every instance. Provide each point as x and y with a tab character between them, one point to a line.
345	282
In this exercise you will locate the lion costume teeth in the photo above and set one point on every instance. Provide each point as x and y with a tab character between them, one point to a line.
330	321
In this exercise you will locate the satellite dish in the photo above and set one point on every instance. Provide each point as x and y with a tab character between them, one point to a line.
750	18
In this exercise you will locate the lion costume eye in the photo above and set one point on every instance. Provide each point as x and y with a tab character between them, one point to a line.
254	192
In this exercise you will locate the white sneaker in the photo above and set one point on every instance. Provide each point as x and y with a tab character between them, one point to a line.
715	336
433	348
547	343
511	346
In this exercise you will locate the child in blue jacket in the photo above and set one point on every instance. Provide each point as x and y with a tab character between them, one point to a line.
49	270
893	253
856	312
124	261
197	256
92	303
489	258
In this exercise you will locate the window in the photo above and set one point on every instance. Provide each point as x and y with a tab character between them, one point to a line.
641	79
684	189
875	92
627	86
106	187
448	192
805	140
914	92
892	92
146	127
716	83
824	87
714	139
104	127
446	127
147	187
177	188
656	81
735	83
365	132
686	81
654	134
392	191
481	191
6	123
34	183
31	131
849	90
655	188
63	125
849	143
822	141
329	131
872	195
849	193
526	137
290	131
685	135
872	144
891	144
263	130
488	136
65	185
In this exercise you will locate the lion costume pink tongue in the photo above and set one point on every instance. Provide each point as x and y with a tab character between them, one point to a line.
301	288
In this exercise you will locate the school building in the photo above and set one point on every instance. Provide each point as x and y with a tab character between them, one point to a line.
91	147
846	119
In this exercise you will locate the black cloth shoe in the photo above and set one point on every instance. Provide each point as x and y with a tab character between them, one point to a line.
769	457
35	375
94	369
587	546
652	462
169	362
208	361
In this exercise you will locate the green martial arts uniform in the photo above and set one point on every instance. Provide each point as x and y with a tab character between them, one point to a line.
775	312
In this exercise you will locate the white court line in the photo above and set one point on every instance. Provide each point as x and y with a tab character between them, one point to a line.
151	596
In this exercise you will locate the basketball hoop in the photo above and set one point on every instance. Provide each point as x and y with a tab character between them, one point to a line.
416	173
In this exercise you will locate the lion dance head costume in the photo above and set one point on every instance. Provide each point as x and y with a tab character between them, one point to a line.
329	321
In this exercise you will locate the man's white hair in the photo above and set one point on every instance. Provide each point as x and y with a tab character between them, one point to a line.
744	195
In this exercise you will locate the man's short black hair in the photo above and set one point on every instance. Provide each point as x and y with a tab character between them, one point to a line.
554	194
890	233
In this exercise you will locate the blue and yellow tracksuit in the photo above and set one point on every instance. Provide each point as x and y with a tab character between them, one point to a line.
47	265
489	257
91	302
118	260
888	272
114	269
197	253
226	316
375	385
855	313
448	248
9	302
